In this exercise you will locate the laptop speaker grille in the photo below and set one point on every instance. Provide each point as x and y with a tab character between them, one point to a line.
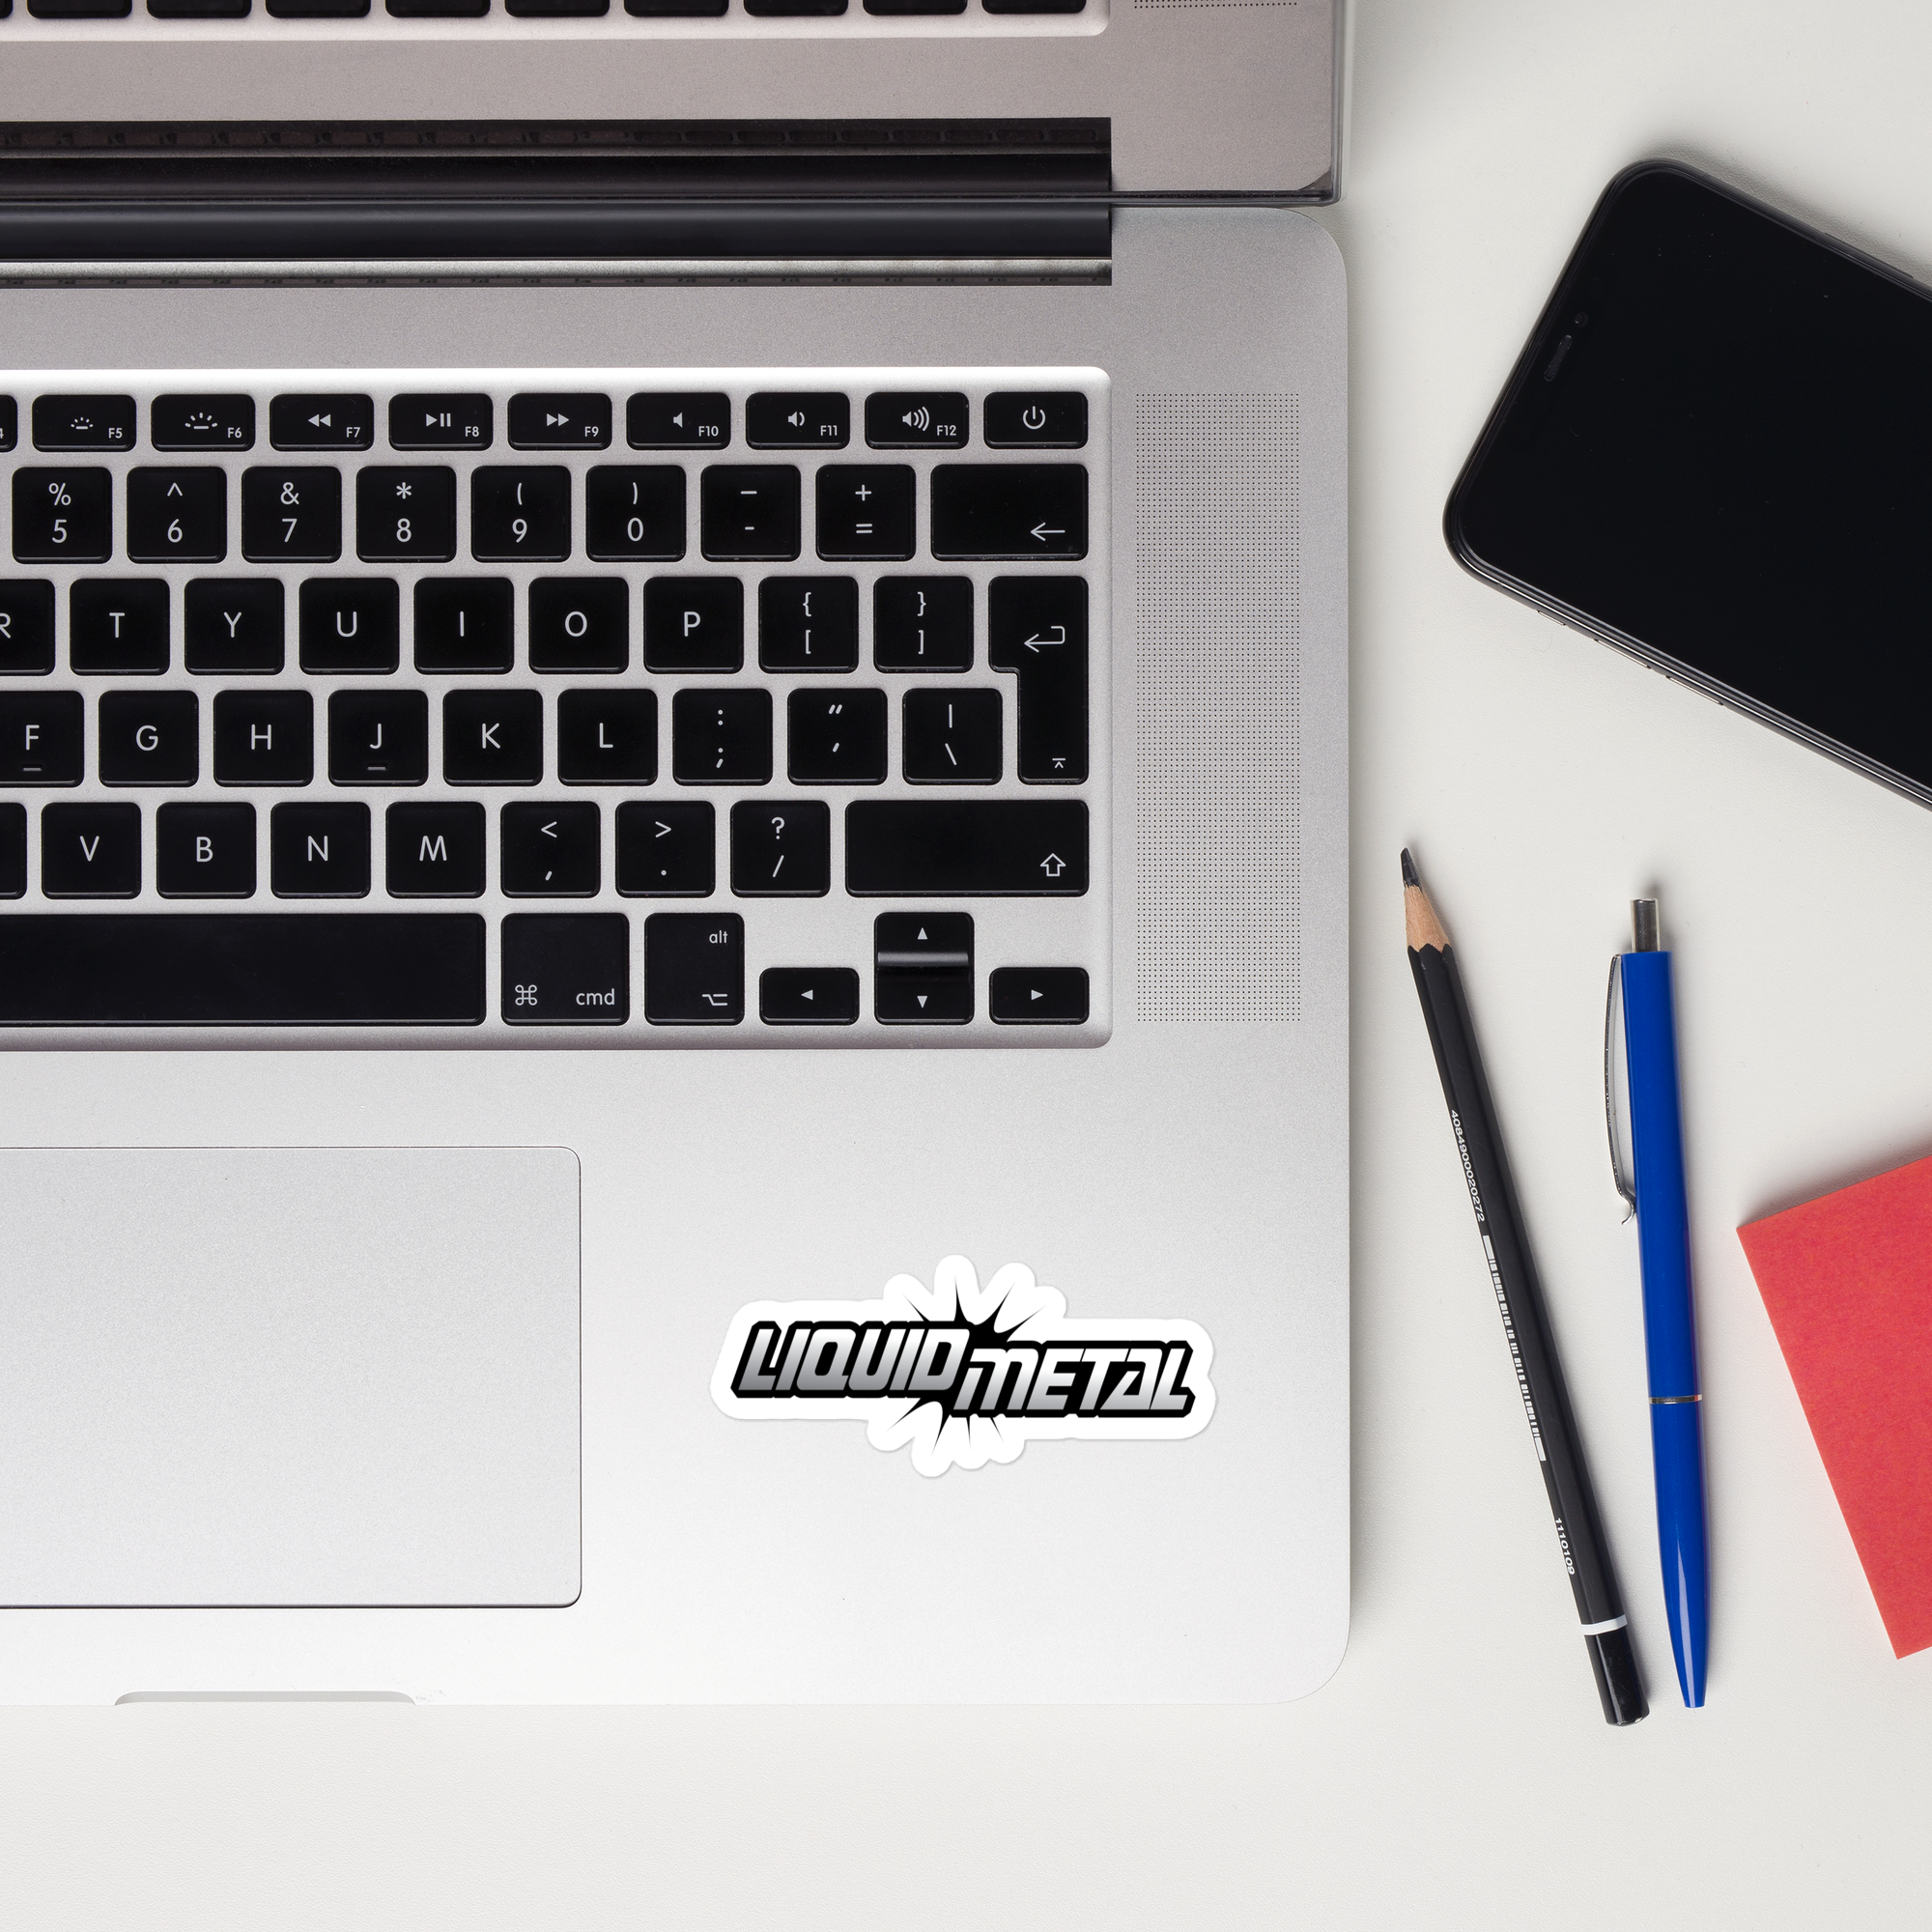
1218	697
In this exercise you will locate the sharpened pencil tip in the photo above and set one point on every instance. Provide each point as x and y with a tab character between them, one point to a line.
1409	877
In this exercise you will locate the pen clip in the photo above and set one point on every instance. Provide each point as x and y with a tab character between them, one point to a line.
1626	1193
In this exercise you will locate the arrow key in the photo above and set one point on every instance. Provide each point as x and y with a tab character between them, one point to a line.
808	996
551	851
1037	995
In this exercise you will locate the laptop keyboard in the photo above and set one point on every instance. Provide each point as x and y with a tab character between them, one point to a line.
675	15
612	707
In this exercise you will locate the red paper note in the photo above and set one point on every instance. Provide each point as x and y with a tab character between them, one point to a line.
1848	1284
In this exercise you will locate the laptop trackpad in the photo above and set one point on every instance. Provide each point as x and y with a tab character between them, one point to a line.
289	1376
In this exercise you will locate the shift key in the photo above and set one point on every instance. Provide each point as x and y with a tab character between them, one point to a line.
966	848
1009	510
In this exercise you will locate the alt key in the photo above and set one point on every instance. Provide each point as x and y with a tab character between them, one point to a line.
808	996
1037	995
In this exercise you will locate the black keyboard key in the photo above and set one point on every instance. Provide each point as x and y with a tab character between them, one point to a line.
922	968
205	851
438	10
915	6
820	420
722	737
781	848
1036	627
923	623
674	10
981	847
84	422
666	851
925	419
91	851
201	422
685	420
233	624
241	969
177	515
809	623
634	511
405	514
318	9
580	623
693	969
40	741
952	737
434	851
566	969
580	421
552	851
263	737
865	511
10	422
80	9
1035	418
378	737
808	996
349	624
492	737
520	513
322	422
750	511
922	942
292	516
26	627
440	422
1037	995
13	851
63	516
781	10
836	737
117	624
606	737
1009	510
465	623
693	624
319	852
149	737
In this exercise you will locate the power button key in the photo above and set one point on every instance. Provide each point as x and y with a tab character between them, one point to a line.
1035	419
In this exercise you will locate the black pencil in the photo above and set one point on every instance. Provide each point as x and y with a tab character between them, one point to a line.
1539	1375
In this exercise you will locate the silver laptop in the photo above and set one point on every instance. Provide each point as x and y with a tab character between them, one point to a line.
673	894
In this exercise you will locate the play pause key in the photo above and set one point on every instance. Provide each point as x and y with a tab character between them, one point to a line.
1037	995
808	996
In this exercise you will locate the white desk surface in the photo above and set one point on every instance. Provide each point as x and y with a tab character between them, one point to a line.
1455	1772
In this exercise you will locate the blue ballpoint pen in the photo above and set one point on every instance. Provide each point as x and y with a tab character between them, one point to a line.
1669	1329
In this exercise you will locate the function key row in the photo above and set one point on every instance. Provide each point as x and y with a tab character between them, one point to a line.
540	10
122	626
496	736
863	512
780	848
772	419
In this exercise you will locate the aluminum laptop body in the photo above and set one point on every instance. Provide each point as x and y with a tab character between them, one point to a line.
672	921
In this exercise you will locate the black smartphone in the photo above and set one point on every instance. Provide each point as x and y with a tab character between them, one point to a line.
1715	453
